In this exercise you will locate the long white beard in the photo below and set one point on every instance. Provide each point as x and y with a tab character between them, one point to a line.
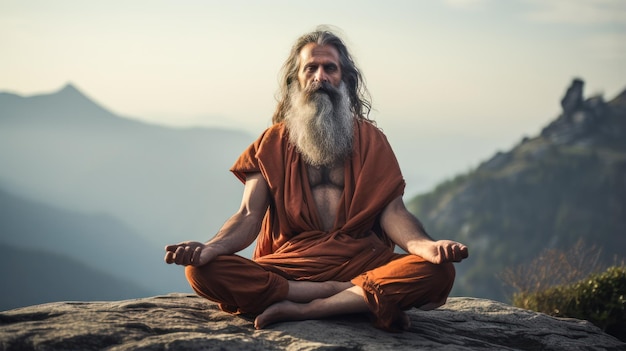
320	123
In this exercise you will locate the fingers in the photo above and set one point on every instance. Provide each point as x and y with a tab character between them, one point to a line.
464	252
169	253
460	252
172	247
451	251
169	257
195	258
443	254
179	255
454	253
185	254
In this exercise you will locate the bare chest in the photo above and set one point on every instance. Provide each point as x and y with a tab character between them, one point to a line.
327	185
326	176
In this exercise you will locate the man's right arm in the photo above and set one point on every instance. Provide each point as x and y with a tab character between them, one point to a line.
236	234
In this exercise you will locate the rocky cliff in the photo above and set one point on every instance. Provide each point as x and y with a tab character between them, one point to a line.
185	322
548	192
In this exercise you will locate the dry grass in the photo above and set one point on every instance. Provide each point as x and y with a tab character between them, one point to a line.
555	267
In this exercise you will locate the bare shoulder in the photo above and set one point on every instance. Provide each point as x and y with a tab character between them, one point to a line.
256	195
394	208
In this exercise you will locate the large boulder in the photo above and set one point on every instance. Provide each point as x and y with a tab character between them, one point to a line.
185	322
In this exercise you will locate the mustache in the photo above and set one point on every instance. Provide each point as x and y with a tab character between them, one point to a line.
322	88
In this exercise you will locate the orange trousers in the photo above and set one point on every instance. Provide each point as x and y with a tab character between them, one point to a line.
399	283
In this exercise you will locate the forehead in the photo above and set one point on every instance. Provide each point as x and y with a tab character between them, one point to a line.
313	52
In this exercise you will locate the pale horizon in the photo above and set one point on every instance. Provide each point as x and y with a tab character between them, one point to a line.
452	81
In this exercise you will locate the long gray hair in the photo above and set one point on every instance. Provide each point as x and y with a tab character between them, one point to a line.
360	103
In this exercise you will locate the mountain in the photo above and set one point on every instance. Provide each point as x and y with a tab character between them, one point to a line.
162	184
98	241
67	107
33	277
549	191
166	183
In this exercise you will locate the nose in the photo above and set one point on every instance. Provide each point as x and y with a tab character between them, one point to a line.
320	75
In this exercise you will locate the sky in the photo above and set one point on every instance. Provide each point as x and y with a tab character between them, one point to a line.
452	81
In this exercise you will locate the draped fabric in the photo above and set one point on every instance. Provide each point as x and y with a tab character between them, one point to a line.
292	245
291	239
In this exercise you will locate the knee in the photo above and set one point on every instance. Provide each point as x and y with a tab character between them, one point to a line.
211	273
443	275
446	272
195	277
203	278
192	274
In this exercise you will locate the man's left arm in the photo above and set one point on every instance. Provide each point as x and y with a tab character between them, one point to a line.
406	231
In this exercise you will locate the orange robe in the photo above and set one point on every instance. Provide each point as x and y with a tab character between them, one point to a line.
292	246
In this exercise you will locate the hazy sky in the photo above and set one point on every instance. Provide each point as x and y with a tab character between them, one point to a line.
480	72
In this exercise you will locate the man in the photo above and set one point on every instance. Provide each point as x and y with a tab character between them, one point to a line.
323	197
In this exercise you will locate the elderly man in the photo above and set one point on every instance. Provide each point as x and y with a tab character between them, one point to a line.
323	197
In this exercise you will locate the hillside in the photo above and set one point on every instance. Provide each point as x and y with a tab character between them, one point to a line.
25	273
75	173
66	150
97	241
566	184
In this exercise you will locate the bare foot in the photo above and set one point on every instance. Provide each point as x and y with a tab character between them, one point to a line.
347	301
278	312
306	291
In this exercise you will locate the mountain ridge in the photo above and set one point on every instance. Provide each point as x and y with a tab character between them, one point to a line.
28	271
63	150
76	105
549	191
99	241
66	105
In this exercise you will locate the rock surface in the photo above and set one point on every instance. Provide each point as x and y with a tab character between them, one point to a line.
184	322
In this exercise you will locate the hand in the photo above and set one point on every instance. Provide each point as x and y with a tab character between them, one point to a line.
187	253
442	251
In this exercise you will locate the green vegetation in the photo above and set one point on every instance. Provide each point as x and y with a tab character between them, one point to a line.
548	192
510	214
554	267
563	189
599	298
571	284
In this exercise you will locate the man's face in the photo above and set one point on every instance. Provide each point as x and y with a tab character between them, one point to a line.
319	63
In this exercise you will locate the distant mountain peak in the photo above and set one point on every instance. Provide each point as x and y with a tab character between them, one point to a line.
70	90
70	87
64	107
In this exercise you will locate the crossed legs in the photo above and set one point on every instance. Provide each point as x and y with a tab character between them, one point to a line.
241	285
346	301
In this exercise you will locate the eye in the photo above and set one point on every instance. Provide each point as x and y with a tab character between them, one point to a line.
330	68
310	68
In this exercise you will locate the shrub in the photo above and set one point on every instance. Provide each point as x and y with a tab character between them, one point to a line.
574	283
554	267
599	298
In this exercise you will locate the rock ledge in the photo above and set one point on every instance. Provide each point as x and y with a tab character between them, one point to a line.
180	322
